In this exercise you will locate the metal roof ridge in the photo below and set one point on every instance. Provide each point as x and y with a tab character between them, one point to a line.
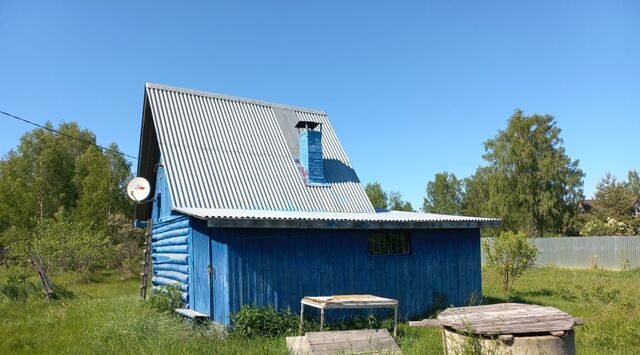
233	98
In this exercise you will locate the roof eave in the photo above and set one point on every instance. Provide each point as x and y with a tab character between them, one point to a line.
338	224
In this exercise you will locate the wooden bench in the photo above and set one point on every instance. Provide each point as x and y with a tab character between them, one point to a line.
190	313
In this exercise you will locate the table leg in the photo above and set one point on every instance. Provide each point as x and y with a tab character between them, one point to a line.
321	319
301	318
395	321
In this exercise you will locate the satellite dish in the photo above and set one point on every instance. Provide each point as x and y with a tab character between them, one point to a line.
138	189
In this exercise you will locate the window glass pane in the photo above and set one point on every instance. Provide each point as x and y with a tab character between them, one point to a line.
389	243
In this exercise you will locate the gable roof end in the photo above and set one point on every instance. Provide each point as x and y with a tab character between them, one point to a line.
224	152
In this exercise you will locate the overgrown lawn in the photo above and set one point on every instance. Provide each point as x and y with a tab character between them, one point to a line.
107	317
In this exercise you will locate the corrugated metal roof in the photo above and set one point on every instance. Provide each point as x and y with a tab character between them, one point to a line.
371	220
390	216
233	154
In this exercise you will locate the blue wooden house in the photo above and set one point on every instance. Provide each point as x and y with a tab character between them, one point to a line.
257	203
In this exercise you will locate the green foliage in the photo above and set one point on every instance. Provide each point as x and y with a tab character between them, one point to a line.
18	288
358	321
128	241
167	299
597	227
382	199
613	198
37	178
476	193
396	203
108	317
376	194
533	185
101	178
444	195
68	246
263	322
510	254
49	172
633	179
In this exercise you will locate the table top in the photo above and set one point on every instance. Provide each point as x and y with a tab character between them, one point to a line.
349	301
507	318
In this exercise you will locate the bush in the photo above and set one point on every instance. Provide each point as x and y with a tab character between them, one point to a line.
128	241
18	288
263	322
167	299
597	227
510	254
369	321
67	246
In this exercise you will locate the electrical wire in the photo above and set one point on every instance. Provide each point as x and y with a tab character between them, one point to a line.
68	135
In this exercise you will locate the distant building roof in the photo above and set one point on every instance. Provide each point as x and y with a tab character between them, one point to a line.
586	203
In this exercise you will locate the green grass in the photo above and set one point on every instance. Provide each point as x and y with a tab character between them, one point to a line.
107	317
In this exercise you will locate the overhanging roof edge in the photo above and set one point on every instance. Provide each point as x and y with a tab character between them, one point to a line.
323	220
327	224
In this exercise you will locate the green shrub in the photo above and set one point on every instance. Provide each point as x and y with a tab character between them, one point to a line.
167	299
18	288
598	227
263	322
65	245
369	321
128	241
510	254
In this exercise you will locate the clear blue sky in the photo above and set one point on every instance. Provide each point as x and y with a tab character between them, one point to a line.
411	88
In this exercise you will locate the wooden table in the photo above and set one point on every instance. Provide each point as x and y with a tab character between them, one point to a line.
348	302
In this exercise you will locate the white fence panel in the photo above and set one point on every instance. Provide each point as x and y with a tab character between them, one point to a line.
586	252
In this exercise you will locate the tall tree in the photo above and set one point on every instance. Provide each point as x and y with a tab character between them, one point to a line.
49	171
476	194
376	195
534	186
101	178
396	203
37	177
382	199
613	198
633	179
444	195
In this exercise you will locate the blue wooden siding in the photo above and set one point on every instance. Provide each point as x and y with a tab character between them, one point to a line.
220	256
161	208
210	291
279	267
170	254
201	258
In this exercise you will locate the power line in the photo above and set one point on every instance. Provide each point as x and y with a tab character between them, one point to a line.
68	135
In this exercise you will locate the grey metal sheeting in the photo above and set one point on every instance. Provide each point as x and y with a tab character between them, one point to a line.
229	153
335	220
612	252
